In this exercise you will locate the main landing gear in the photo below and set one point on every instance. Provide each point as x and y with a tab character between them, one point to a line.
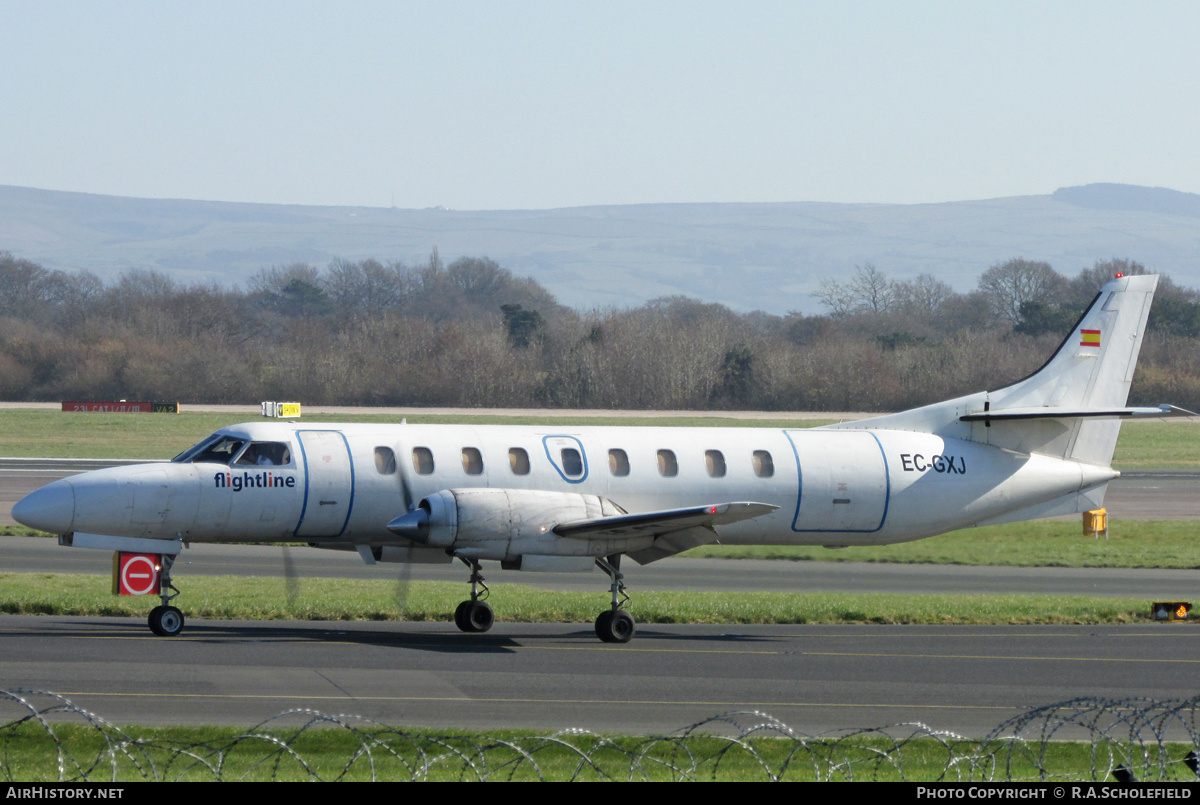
615	625
166	620
474	615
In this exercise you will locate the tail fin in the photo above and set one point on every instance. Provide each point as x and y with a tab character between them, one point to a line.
1088	379
1070	408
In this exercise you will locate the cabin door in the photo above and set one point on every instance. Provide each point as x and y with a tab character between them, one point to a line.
328	483
843	481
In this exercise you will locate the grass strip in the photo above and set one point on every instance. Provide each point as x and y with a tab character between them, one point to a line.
26	432
40	433
1036	543
366	751
242	598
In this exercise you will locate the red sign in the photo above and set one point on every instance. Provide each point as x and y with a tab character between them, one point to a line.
120	407
136	573
117	407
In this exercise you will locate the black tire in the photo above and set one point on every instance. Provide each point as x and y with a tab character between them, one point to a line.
622	627
166	621
604	625
615	626
480	617
460	617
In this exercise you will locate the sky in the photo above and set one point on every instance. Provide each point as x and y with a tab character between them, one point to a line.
534	105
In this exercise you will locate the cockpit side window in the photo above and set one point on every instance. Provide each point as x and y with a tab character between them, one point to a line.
222	451
266	454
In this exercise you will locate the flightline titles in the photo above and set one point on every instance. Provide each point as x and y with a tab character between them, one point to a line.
1087	791
253	480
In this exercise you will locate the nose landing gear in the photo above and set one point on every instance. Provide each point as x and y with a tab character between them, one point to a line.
166	620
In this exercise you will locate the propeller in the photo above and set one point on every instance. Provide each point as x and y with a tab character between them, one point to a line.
291	580
400	592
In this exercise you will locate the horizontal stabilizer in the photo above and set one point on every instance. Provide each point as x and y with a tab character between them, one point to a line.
1050	412
656	524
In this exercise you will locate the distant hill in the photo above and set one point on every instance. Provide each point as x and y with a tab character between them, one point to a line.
769	256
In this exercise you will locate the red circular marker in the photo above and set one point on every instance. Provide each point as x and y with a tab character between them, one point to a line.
139	575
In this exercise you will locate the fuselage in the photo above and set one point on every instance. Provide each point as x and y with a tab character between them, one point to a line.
343	483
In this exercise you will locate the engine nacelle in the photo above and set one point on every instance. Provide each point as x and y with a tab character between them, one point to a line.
498	523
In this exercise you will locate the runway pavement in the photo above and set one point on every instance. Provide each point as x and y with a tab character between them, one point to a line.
554	676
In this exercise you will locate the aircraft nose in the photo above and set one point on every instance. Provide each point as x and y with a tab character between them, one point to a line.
51	508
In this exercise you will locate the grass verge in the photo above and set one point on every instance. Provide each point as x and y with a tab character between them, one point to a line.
39	433
1037	543
25	432
369	752
239	598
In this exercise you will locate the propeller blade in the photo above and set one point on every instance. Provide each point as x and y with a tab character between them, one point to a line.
400	595
291	579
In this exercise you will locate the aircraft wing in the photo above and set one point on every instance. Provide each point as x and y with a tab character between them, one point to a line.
674	530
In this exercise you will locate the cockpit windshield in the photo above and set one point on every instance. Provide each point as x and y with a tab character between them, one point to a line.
236	450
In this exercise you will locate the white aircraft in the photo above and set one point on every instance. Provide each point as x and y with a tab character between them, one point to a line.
554	498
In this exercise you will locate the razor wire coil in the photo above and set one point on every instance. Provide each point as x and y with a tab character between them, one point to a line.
1132	738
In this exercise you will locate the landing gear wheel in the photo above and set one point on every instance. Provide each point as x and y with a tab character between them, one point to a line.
615	626
474	616
604	624
166	621
481	617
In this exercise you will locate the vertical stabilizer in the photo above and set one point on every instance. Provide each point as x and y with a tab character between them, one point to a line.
1066	408
1091	371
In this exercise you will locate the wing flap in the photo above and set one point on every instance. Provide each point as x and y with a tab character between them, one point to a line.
659	524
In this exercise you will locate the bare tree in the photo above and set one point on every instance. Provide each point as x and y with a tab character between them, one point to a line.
922	297
1010	284
870	291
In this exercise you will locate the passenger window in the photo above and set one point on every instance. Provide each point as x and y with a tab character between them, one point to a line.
385	461
472	461
422	458
764	467
518	461
668	466
715	463
572	462
618	463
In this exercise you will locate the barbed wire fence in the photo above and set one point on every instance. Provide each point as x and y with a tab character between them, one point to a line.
1085	739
